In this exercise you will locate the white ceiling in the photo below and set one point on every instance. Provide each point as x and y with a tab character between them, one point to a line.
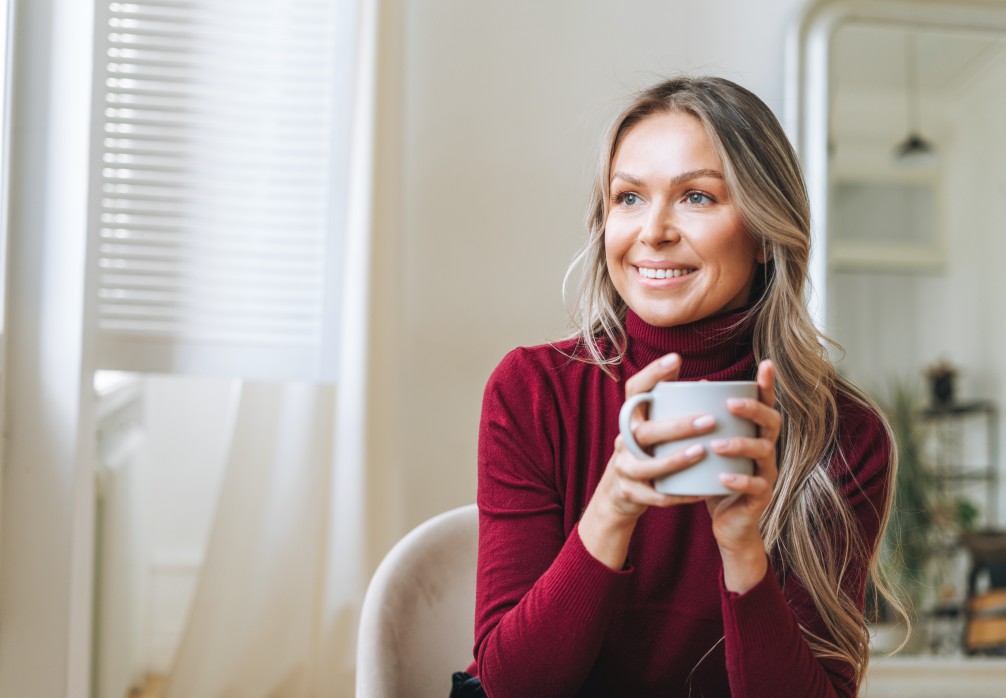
874	57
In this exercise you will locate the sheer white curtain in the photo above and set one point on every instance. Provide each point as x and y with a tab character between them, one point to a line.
253	626
275	610
258	625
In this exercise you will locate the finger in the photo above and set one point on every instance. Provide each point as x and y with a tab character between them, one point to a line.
648	433
756	448
663	369
713	503
751	485
766	382
676	499
637	492
643	493
761	451
631	468
765	416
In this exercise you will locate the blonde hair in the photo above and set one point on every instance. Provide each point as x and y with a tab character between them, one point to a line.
809	527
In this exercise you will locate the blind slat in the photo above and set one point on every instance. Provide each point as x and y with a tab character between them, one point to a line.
214	217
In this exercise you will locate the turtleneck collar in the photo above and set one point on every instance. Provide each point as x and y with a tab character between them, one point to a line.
714	348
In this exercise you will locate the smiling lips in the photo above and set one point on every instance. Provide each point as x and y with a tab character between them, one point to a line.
650	273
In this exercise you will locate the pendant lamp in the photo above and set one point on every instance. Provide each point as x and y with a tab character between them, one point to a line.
914	149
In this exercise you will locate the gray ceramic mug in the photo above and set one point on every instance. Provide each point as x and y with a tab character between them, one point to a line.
669	400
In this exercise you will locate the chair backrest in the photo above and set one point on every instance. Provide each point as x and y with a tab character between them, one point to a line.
418	617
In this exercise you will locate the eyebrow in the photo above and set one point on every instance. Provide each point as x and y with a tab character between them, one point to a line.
678	180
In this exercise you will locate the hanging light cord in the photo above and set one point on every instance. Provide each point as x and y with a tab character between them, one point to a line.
914	101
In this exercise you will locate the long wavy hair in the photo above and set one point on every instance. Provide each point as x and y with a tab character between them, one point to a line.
809	528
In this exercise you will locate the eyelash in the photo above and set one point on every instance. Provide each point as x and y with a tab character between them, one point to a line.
700	193
620	198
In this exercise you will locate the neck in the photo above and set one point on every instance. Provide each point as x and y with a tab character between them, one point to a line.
714	348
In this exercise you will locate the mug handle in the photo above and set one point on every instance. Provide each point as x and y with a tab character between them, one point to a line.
625	423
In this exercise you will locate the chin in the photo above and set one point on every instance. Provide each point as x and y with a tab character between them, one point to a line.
664	319
658	317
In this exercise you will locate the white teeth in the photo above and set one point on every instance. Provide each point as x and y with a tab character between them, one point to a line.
663	273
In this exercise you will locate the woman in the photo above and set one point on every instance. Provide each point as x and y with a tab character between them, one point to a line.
590	582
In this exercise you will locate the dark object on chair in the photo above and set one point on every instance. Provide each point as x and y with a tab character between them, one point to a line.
466	686
985	613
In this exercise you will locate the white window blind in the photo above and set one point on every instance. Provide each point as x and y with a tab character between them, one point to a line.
214	218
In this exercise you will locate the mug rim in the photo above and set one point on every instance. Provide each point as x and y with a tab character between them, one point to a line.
707	382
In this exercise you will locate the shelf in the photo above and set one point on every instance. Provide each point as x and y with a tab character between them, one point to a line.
959	442
983	474
958	409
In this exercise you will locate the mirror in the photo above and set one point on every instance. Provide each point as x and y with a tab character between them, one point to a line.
913	237
5	12
896	109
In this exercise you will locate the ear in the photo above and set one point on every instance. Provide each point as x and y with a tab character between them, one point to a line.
763	253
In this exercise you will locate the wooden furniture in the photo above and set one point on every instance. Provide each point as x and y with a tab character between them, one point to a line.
985	608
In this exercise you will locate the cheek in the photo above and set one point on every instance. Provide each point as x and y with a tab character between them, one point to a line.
617	236
614	255
739	247
612	261
611	241
752	250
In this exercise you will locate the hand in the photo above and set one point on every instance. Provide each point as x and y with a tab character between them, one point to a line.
626	487
735	517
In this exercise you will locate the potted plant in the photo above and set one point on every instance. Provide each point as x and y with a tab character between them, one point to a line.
926	521
942	376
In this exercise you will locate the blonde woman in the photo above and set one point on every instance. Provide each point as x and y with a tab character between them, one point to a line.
592	583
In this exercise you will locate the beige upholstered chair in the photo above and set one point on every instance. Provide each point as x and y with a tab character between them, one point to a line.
417	622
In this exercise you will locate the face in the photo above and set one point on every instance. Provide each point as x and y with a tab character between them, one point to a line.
676	248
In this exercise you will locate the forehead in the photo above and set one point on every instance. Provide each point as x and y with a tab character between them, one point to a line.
668	142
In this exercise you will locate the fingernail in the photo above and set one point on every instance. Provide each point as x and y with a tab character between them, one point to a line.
735	402
694	450
669	360
704	422
728	477
719	443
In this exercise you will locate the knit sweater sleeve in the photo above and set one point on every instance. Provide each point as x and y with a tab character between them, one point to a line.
766	652
543	602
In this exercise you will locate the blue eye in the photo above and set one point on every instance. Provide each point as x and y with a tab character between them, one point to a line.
627	198
698	198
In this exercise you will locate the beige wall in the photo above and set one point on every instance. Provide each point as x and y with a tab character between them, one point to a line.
490	116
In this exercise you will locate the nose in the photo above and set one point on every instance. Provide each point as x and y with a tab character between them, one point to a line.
660	227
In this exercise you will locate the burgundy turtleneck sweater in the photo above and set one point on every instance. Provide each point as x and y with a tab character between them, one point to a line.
551	620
